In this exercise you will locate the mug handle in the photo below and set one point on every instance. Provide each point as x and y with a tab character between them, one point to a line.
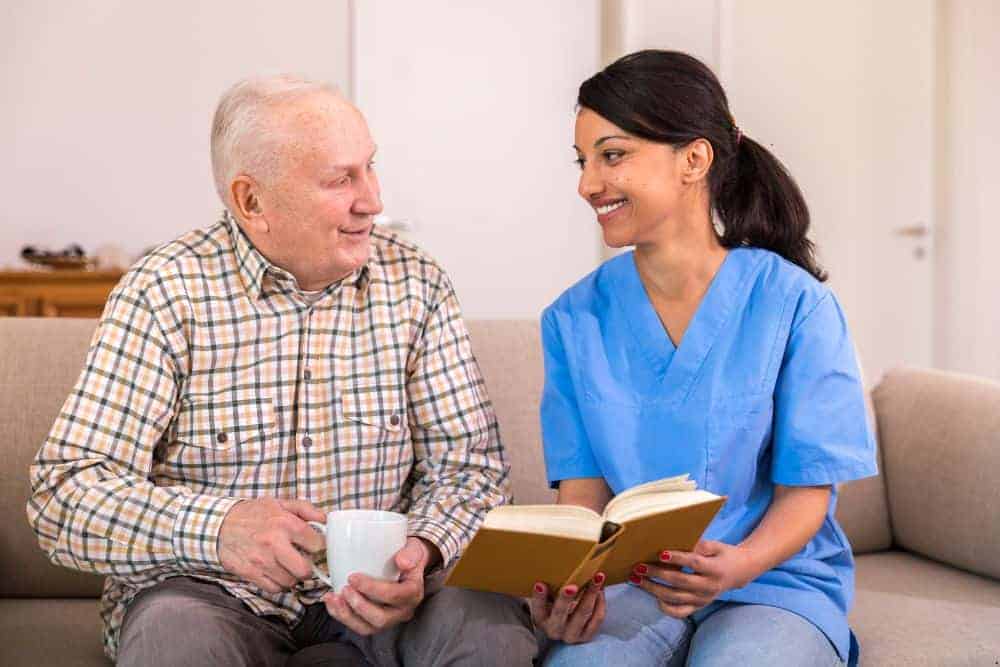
316	571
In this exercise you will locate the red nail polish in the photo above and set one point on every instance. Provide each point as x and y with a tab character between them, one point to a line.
641	569
665	556
570	591
635	578
539	588
599	578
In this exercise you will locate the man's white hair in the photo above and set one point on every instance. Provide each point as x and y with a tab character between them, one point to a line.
244	131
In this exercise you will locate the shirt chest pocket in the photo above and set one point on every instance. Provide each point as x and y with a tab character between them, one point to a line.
377	441
220	436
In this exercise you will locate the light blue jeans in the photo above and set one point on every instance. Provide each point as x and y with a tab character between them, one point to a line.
635	633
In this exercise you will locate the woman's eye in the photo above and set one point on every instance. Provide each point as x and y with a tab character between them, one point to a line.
579	162
613	156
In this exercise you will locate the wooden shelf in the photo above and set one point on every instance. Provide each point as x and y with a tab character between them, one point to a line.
55	293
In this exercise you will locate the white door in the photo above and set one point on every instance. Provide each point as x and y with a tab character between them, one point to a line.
842	93
472	107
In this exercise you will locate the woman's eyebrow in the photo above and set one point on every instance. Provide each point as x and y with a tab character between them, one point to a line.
610	136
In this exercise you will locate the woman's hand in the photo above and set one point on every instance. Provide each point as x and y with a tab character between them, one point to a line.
569	618
716	568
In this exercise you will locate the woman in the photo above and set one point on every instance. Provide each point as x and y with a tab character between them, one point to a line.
713	349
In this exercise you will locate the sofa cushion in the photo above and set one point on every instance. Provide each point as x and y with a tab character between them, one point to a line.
509	353
940	434
40	360
913	611
51	632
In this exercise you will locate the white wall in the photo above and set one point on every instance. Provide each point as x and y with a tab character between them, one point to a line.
472	106
968	140
107	106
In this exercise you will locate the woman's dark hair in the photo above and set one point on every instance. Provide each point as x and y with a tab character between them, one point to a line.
673	98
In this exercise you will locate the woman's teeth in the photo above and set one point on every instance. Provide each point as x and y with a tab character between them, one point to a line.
607	208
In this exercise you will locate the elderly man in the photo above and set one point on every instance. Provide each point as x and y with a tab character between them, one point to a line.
289	360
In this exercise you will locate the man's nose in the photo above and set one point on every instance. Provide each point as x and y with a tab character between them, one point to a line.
368	200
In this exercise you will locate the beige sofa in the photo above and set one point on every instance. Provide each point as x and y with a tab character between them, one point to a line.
927	532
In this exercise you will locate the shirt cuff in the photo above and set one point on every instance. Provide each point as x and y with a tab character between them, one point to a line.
437	534
195	538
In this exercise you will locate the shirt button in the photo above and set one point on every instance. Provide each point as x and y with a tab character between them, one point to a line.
221	438
307	374
307	441
394	420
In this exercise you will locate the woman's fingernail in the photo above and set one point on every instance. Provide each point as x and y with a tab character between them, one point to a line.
539	588
635	578
569	591
599	578
665	556
641	569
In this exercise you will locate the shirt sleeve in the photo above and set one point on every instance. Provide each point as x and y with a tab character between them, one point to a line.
567	450
93	505
459	471
821	430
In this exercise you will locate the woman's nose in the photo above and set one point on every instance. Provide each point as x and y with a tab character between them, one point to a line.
590	184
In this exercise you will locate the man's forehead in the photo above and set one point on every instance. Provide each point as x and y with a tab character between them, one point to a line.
326	122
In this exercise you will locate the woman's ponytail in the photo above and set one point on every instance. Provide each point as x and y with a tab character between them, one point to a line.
760	205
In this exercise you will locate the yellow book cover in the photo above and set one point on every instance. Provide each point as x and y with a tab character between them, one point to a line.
518	545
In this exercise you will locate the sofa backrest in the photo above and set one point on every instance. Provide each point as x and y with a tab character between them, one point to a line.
942	462
40	360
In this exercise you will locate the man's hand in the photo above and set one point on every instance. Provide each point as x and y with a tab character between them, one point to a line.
260	541
367	605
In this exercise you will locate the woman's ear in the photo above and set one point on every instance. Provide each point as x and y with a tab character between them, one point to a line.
698	156
246	202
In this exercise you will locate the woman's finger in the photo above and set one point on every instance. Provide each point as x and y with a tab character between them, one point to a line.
694	583
594	624
561	608
539	603
676	611
581	615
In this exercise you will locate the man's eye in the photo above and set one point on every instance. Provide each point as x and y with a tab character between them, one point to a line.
371	164
343	180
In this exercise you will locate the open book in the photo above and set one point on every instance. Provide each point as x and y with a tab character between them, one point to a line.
518	545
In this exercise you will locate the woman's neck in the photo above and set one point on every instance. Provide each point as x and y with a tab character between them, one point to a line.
680	266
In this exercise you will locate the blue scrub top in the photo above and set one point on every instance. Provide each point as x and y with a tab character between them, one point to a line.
764	389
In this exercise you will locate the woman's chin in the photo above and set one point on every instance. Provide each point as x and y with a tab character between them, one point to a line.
617	238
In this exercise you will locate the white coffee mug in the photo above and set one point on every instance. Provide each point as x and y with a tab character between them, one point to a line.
364	541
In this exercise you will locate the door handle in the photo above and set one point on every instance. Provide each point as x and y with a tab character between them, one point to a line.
917	231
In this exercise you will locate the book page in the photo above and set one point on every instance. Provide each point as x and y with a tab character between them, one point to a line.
636	507
570	521
666	485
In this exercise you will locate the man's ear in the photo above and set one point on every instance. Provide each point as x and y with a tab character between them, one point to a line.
245	192
697	160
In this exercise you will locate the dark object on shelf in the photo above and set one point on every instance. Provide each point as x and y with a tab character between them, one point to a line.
73	257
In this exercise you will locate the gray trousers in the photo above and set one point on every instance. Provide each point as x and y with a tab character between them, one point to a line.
184	621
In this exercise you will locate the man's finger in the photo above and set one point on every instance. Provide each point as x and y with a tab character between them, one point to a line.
293	562
305	536
413	556
373	614
303	509
404	593
340	610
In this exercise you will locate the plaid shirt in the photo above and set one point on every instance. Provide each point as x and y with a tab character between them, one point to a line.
211	378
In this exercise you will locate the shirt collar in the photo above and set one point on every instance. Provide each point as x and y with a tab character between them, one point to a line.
255	269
